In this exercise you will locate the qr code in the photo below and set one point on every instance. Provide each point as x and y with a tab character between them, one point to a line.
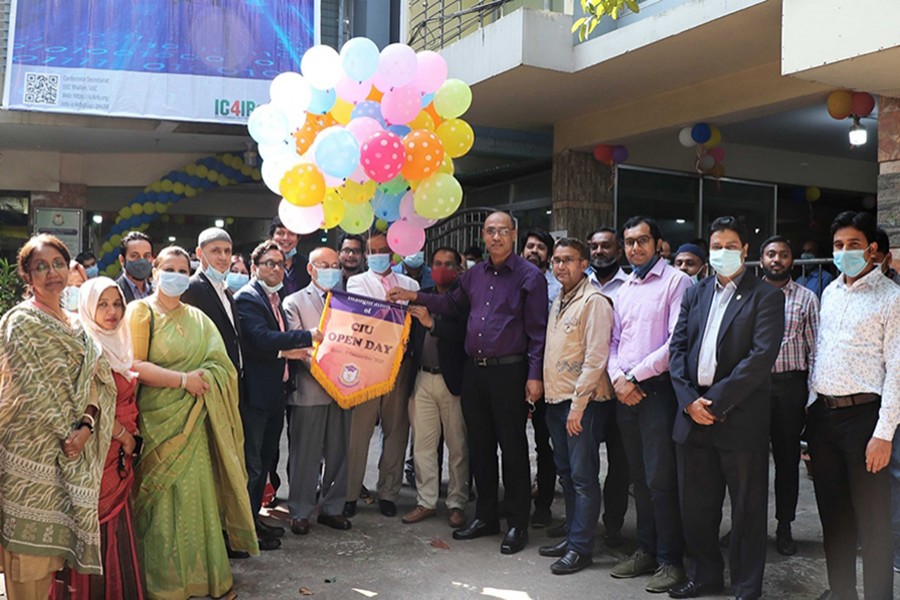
42	88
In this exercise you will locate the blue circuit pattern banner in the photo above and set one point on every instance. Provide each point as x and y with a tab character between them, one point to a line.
192	60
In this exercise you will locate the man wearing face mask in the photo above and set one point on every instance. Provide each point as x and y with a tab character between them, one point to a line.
883	256
854	410
725	343
296	276
414	266
472	255
136	257
604	271
266	346
319	427
89	262
391	407
690	259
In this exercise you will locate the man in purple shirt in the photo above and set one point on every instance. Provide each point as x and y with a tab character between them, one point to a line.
506	298
647	307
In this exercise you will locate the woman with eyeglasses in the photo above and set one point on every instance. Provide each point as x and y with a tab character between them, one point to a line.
101	309
191	479
56	420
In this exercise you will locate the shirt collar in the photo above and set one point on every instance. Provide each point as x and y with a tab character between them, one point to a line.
870	280
733	283
509	264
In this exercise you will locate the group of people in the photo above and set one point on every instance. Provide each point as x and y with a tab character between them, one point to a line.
140	422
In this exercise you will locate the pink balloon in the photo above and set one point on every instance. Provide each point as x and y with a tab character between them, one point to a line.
382	156
431	71
405	238
408	212
332	181
353	91
400	105
359	175
380	83
301	219
363	128
397	64
718	153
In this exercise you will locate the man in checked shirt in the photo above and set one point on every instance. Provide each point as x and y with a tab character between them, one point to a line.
789	389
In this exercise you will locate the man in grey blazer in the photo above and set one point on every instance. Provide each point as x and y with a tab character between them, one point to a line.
319	428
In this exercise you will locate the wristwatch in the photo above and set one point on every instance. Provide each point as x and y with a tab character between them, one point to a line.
630	377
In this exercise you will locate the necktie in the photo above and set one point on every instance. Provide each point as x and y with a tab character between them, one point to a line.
386	283
275	301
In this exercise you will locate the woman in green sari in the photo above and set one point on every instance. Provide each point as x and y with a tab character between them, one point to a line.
191	479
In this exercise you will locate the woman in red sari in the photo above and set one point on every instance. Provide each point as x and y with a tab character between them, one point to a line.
102	312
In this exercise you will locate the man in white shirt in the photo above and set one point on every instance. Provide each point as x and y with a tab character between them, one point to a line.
854	409
392	408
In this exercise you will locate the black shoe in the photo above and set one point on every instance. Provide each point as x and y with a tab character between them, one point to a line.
300	526
572	562
269	543
335	521
541	517
364	493
476	529
557	550
236	554
350	509
613	539
388	508
690	589
270	531
784	541
558	531
516	539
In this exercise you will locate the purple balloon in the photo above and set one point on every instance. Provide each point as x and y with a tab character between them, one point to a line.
619	154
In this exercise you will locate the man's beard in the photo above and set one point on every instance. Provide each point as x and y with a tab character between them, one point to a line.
536	261
604	266
786	274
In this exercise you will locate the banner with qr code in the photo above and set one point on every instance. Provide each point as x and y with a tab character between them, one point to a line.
182	60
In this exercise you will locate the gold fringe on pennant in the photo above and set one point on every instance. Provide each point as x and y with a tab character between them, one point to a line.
365	394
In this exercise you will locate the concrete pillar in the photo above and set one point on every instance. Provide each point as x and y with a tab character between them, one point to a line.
69	196
889	171
582	194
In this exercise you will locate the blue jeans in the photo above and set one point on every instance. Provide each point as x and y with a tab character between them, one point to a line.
647	434
577	459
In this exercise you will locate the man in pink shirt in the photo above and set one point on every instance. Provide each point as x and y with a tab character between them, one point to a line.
647	307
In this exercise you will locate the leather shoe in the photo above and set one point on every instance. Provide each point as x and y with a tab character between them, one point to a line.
572	562
558	549
476	529
350	509
236	554
558	531
335	521
269	530
784	541
418	514
269	543
515	540
300	526
388	508
456	518
692	589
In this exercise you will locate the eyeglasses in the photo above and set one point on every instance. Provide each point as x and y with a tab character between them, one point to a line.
41	268
641	241
353	251
327	266
501	231
564	261
272	264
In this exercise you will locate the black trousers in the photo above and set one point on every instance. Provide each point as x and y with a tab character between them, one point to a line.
615	486
789	396
705	472
546	468
262	435
495	411
853	503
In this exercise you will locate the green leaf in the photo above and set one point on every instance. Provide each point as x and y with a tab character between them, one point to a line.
633	5
615	13
593	26
577	25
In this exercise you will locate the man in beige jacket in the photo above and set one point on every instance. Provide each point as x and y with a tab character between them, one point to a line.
578	391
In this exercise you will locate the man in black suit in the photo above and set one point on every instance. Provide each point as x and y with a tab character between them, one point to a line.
136	258
266	346
721	355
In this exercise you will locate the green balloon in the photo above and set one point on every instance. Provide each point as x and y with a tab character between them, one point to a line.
452	99
357	217
438	197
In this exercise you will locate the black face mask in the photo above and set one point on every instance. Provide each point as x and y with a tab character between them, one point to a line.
603	266
139	269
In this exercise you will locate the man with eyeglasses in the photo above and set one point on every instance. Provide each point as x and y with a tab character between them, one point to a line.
351	256
647	307
506	300
391	408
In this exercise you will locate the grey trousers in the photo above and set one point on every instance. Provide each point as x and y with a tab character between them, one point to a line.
317	433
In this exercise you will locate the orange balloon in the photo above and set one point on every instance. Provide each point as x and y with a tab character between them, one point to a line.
306	135
840	104
436	118
424	154
375	94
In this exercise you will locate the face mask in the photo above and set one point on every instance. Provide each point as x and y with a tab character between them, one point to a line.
291	253
807	256
70	299
470	264
172	284
850	262
604	266
139	269
214	275
195	264
328	278
92	271
379	263
695	278
270	289
642	270
415	261
444	276
726	262
236	281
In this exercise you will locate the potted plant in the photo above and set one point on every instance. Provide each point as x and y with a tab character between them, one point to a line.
11	286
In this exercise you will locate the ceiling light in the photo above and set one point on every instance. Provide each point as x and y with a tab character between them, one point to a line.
171	238
220	223
98	219
858	134
679	221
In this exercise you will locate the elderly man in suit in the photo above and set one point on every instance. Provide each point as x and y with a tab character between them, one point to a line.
724	345
319	427
391	407
266	346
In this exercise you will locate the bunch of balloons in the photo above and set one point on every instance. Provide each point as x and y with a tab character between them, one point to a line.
843	104
808	194
707	139
610	155
214	171
362	137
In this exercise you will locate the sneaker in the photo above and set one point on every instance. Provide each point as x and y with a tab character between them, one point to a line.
639	563
665	578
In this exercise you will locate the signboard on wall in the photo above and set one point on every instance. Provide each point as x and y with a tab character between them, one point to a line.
64	223
189	60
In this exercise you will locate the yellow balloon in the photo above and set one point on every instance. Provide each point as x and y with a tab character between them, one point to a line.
202	170
357	193
333	208
447	166
106	247
178	188
125	213
422	121
137	209
149	208
156	186
457	136
191	170
357	217
161	207
715	138
303	185
212	175
341	111
189	192
166	185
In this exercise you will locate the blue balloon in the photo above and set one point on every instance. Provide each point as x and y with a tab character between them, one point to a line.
400	130
426	99
701	133
368	108
322	101
386	206
359	57
337	152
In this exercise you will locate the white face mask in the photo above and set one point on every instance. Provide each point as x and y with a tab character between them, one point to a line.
470	263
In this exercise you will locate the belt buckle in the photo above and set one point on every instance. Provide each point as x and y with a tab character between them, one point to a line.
481	362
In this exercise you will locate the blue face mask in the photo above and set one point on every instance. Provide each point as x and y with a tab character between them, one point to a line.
642	270
291	253
236	281
379	263
214	275
270	289
92	271
726	262
172	284
70	298
850	262
328	278
415	261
